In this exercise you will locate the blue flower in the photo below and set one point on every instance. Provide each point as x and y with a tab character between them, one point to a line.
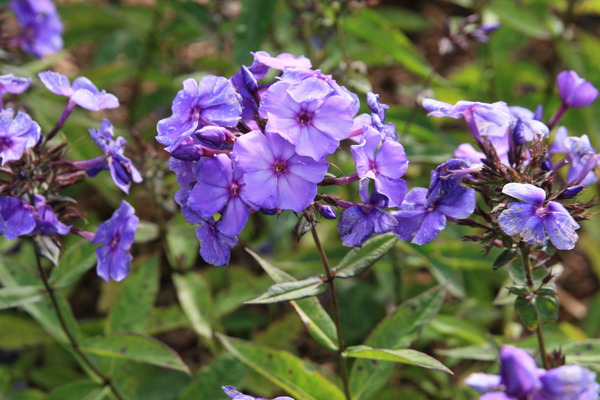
574	91
16	217
116	235
42	27
16	134
235	395
121	168
534	221
82	92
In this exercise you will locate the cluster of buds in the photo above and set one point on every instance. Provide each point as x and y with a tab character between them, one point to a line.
518	162
35	170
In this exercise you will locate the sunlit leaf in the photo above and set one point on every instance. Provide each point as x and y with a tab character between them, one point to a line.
404	356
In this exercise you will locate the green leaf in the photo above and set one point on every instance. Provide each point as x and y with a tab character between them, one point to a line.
294	290
527	312
480	352
506	256
182	243
76	260
20	295
194	296
372	27
582	352
135	347
404	356
224	368
394	332
134	301
299	379
524	19
547	305
252	27
19	331
46	247
81	390
359	260
319	324
147	231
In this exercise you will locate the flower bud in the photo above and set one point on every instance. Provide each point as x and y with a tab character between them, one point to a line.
328	212
574	91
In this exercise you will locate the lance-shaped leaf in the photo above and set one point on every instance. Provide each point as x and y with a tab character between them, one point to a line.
546	303
394	332
20	295
298	378
525	308
404	356
76	260
360	259
135	300
135	347
313	315
82	390
194	296
286	291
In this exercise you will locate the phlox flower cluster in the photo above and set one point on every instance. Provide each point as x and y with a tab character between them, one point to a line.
240	146
514	149
34	173
521	379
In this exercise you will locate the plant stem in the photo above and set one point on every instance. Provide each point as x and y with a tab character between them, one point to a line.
336	314
107	381
531	285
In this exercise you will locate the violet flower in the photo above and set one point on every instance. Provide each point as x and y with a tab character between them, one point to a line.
116	236
46	222
16	217
308	115
235	395
580	156
212	101
384	164
358	223
122	170
13	84
423	213
215	246
520	379
574	91
42	27
220	188
16	134
535	221
275	175
82	92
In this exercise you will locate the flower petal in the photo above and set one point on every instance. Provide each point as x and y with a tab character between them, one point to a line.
526	192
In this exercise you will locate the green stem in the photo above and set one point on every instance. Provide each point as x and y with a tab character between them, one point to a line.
531	285
336	314
106	381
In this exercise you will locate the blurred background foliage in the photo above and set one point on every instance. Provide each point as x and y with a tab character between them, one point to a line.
142	50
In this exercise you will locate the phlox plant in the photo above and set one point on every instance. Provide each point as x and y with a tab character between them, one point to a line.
281	140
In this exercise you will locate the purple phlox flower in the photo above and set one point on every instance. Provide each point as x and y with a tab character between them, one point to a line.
220	188
314	121
274	174
263	61
358	223
484	383
235	395
184	170
16	217
82	92
423	213
215	246
583	159
245	84
312	90
13	84
483	119
212	101
42	27
482	32
559	143
46	221
574	91
534	221
116	236
378	111
121	168
531	127
16	134
384	161
569	382
358	124
518	371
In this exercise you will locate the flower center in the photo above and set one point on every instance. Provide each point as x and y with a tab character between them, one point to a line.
373	166
234	189
115	242
5	143
280	166
304	118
